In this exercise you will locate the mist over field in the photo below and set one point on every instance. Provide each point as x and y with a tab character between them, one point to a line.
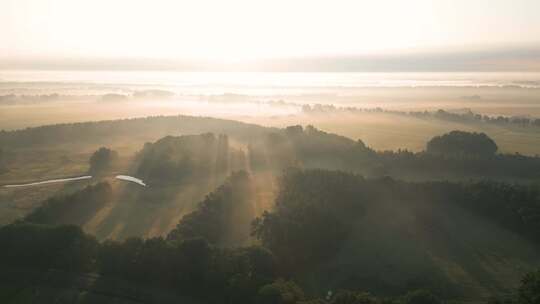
373	107
270	152
261	165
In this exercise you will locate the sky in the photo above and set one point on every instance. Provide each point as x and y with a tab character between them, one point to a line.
377	34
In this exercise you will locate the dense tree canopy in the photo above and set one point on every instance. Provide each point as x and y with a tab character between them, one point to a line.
307	202
457	155
459	143
44	247
3	161
529	291
74	208
280	292
420	297
112	130
223	217
102	160
175	158
315	216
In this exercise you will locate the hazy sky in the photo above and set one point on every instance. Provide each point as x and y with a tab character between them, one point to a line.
234	30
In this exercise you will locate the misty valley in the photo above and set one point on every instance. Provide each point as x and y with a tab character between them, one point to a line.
164	209
269	152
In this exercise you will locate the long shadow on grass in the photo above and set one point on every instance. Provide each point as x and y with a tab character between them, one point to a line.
149	211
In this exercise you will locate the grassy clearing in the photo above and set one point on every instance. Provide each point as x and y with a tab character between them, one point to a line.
30	166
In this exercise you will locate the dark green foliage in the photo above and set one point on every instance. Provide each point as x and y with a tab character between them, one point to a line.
307	202
313	301
529	291
247	269
352	297
73	209
186	265
515	207
459	143
435	166
280	292
112	130
465	117
316	217
175	158
359	297
3	161
3	156
457	155
223	218
420	297
102	160
191	267
309	147
316	212
45	247
222	154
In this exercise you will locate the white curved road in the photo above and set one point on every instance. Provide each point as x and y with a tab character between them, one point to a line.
131	179
50	181
69	179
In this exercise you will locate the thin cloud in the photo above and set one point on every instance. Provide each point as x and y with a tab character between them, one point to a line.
501	59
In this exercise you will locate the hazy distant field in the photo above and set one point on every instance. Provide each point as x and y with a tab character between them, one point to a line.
34	98
381	131
384	131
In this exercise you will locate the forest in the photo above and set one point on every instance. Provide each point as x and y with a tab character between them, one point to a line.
265	215
316	217
466	116
455	155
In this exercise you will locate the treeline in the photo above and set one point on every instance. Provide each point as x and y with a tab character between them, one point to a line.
189	260
466	117
308	147
305	238
308	199
470	116
314	214
224	217
72	209
406	164
192	260
102	161
22	99
318	213
462	144
455	155
108	131
174	158
3	161
461	154
13	99
191	268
